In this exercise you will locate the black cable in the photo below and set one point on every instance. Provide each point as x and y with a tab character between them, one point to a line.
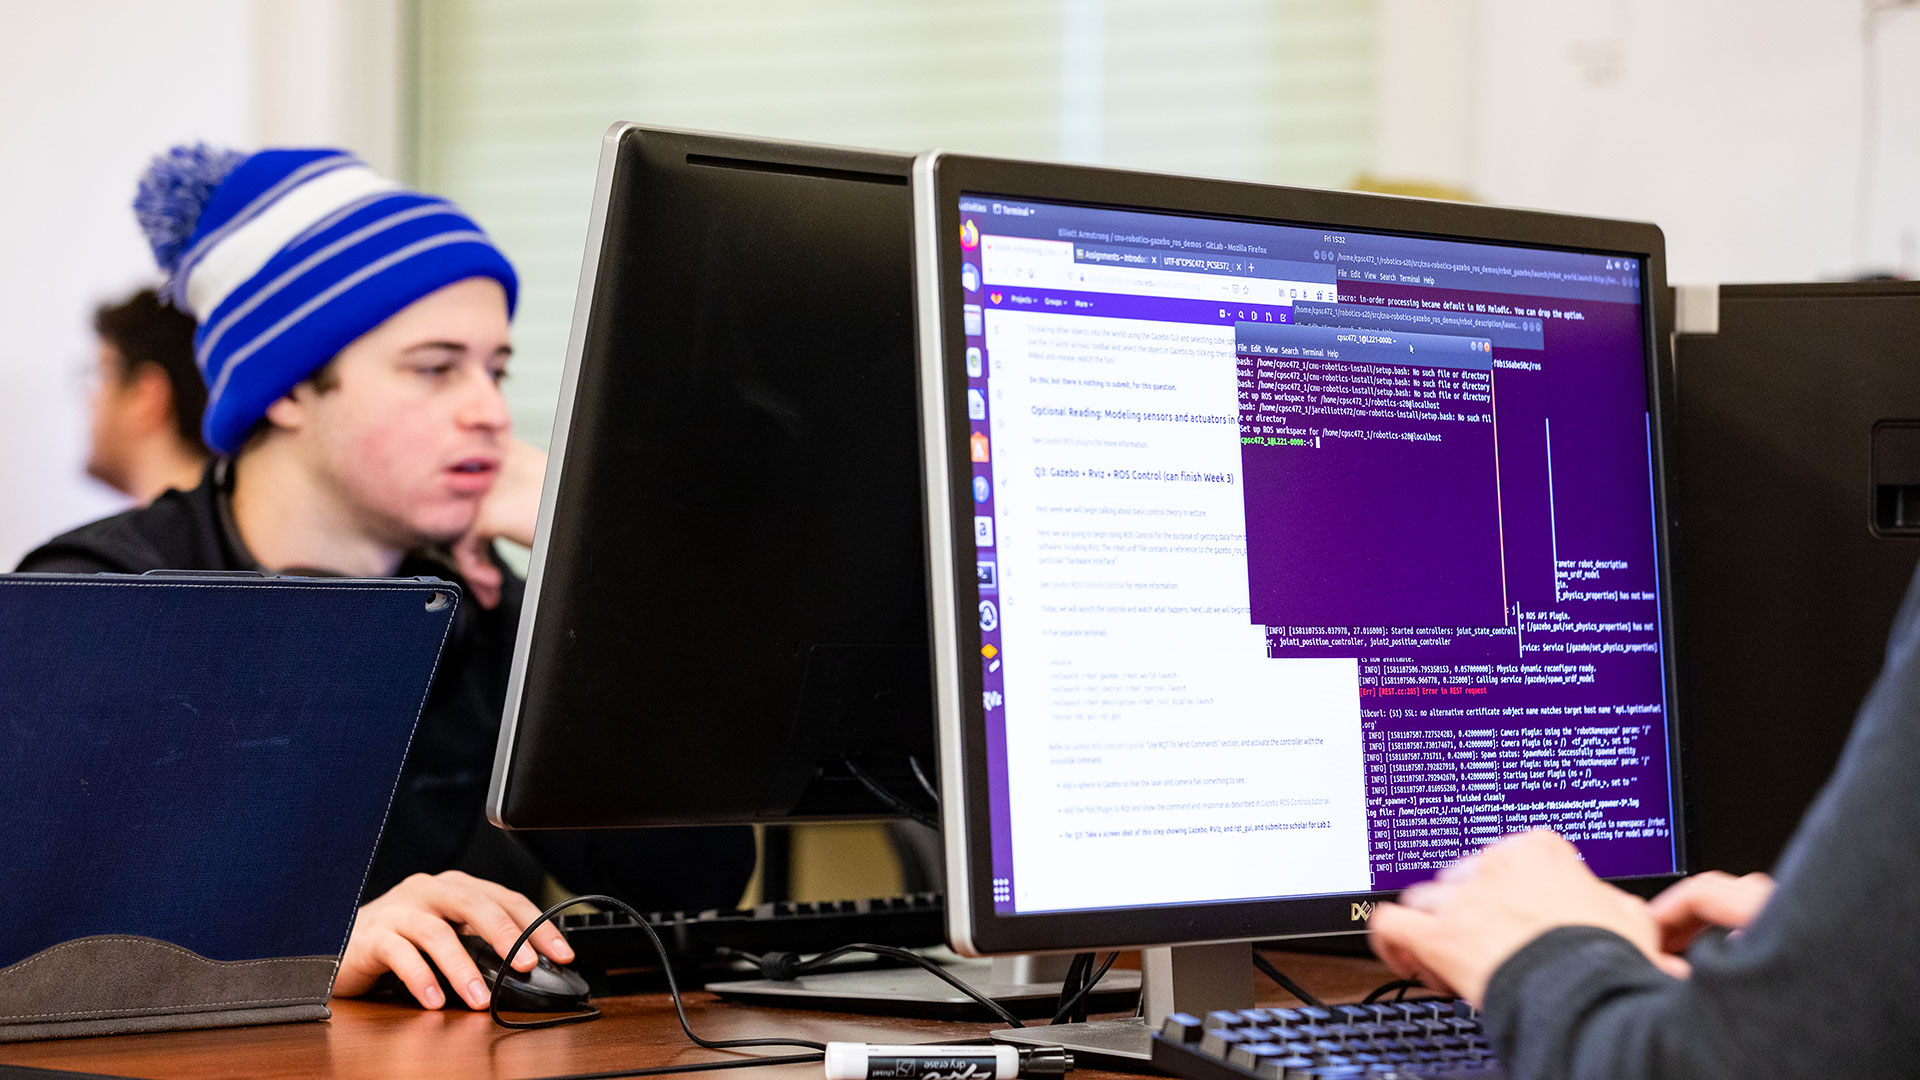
679	1008
1286	984
666	967
1401	985
784	966
1070	984
1085	988
898	804
926	785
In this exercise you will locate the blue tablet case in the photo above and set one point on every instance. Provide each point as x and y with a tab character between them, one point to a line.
194	772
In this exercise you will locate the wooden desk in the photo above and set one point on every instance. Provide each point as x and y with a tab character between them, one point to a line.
371	1039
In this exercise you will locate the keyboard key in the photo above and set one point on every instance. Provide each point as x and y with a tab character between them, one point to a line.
1217	1042
1183	1028
1249	1056
1395	1041
1291	1068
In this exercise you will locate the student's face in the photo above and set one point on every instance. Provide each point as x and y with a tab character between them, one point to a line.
411	434
120	409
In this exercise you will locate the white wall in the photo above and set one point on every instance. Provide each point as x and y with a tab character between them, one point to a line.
93	88
1735	126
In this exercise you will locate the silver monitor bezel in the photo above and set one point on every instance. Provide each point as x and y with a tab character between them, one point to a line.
974	927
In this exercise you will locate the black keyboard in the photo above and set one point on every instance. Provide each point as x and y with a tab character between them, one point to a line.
1401	1040
606	941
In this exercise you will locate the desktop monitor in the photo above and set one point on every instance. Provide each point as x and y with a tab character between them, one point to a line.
725	618
1798	455
1286	545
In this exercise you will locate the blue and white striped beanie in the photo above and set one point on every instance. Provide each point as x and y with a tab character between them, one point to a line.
286	256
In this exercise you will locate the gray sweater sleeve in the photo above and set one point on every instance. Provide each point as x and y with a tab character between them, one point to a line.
1825	983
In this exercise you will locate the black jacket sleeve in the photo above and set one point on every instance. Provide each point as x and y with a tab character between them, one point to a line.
64	562
1825	983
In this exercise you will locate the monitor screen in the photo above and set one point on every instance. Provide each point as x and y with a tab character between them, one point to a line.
1307	560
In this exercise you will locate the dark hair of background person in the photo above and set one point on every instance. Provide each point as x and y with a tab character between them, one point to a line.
143	330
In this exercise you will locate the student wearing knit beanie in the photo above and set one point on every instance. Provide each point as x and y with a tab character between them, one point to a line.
352	337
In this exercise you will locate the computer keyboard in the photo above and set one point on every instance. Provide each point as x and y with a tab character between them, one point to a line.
1402	1040
606	941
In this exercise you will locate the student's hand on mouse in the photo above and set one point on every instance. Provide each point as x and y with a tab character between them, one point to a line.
424	914
1690	906
508	512
1454	932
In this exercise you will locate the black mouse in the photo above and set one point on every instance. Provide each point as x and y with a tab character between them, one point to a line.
547	988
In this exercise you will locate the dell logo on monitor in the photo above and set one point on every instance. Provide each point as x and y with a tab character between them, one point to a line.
1362	911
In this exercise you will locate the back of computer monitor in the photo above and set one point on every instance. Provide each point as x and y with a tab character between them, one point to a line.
1799	500
726	617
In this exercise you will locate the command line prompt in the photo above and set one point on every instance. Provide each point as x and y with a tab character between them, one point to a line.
1370	476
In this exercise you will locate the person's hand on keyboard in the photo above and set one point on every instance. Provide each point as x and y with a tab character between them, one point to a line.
424	914
1452	933
1704	901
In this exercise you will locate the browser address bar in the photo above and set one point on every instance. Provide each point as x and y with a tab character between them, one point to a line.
1178	285
1047	264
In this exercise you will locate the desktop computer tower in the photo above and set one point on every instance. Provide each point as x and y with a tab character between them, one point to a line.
1798	506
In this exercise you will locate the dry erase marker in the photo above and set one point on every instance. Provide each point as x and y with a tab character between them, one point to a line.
860	1061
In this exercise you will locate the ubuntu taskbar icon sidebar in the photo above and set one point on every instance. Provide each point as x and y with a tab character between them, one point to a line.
978	371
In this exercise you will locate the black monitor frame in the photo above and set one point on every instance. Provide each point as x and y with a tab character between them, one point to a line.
939	178
727	599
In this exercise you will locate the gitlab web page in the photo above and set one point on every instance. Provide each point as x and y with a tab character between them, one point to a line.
1157	756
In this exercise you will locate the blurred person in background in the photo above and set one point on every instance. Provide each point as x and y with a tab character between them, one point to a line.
147	399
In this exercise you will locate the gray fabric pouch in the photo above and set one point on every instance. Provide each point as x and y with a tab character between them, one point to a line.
115	984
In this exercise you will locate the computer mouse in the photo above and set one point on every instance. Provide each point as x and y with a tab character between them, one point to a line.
547	988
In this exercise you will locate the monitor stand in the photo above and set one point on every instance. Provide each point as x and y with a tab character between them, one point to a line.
1194	979
1026	986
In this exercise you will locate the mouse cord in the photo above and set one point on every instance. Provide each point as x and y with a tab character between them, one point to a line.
784	966
673	988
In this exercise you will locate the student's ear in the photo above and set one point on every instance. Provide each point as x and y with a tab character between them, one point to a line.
150	398
289	413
